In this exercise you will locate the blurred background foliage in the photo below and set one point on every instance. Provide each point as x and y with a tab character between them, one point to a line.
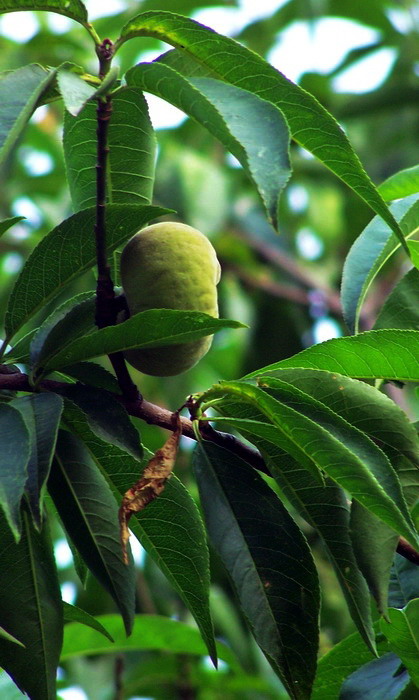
361	60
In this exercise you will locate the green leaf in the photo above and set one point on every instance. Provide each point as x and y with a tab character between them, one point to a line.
348	456
74	90
74	318
310	124
74	9
400	309
371	250
72	613
402	632
251	128
8	223
148	329
345	657
404	582
15	441
374	545
93	374
20	91
401	184
149	632
66	252
382	354
30	609
271	567
378	679
414	252
10	637
131	159
107	417
89	513
170	528
42	413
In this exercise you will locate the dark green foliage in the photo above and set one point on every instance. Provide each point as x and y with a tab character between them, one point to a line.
318	476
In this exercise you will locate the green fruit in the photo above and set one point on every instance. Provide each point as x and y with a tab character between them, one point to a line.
170	266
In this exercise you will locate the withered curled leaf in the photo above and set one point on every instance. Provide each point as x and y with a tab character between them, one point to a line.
151	484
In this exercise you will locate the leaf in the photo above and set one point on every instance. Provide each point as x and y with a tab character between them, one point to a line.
151	483
107	417
271	567
20	91
72	319
376	680
400	308
251	128
74	9
345	657
93	374
401	184
66	252
404	582
345	454
14	456
131	159
42	412
371	250
382	354
90	516
310	124
30	609
170	529
148	329
72	613
414	252
74	90
362	406
374	545
10	637
8	223
402	632
149	632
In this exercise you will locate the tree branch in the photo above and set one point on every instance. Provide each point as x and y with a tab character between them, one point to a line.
156	415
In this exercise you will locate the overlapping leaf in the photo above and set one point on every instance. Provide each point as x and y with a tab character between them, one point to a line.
66	252
89	513
30	609
74	9
324	507
107	417
345	657
74	318
15	441
72	613
149	632
344	453
400	309
380	678
381	354
170	528
251	128
371	250
20	91
131	159
268	560
41	413
8	223
148	329
401	184
310	124
402	632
